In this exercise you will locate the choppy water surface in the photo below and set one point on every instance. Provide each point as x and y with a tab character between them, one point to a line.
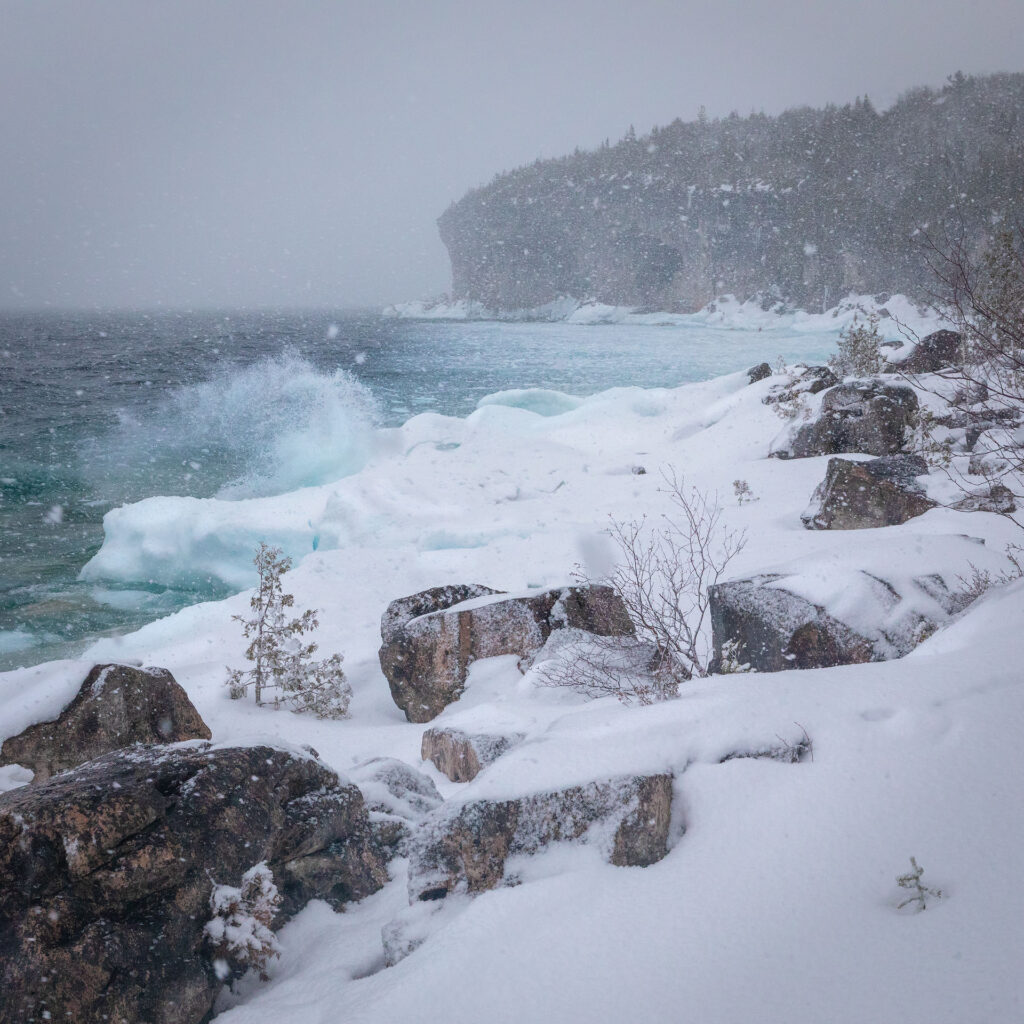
101	409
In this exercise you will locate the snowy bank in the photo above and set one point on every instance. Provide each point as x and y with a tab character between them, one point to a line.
777	895
726	312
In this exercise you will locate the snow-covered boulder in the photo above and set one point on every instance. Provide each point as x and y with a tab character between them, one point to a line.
461	755
860	495
934	352
116	706
803	380
425	656
759	372
124	854
465	846
868	416
398	798
773	622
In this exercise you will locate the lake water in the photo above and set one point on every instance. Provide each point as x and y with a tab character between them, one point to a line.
101	409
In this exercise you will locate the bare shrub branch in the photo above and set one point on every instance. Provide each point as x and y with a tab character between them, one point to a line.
664	574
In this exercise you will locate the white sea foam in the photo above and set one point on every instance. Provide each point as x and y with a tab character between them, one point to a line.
274	426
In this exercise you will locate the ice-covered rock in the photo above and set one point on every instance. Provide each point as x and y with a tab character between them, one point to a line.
425	656
861	495
465	846
116	706
123	854
461	755
869	416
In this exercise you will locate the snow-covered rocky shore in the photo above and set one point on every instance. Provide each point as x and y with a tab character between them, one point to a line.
774	894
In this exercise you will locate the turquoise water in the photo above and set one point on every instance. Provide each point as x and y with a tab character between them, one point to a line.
102	409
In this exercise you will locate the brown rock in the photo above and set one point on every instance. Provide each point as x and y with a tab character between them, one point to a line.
106	873
462	756
425	658
467	846
117	705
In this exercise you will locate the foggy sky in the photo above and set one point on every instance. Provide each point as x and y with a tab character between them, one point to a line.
196	154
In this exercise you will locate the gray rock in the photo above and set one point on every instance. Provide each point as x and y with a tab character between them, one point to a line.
462	756
776	630
862	495
769	626
759	372
106	873
997	498
465	848
934	352
806	380
868	417
425	658
117	706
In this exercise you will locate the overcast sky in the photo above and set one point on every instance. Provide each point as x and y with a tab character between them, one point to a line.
298	153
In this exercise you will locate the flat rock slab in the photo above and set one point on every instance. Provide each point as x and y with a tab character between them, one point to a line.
461	755
117	706
465	847
106	873
426	655
862	495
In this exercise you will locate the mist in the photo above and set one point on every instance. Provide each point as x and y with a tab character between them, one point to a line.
254	154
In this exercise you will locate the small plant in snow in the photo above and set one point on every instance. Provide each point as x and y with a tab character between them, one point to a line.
981	580
239	930
744	495
780	366
282	660
859	354
920	893
730	663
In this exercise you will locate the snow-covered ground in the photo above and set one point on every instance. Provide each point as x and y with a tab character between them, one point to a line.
725	312
777	901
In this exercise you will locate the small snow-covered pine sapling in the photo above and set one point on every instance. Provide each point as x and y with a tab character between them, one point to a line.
240	929
859	349
921	893
282	661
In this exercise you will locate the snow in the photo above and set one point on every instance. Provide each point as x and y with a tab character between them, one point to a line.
777	900
898	314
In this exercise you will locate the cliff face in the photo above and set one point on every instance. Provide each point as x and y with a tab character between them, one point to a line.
804	207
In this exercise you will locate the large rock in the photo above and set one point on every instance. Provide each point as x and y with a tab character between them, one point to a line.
117	705
465	848
766	623
773	630
861	495
425	656
934	352
106	873
461	755
869	417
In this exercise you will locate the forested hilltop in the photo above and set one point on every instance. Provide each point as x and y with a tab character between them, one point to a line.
803	207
